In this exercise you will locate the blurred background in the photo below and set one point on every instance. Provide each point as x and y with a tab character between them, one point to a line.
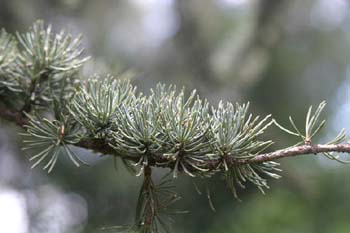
280	55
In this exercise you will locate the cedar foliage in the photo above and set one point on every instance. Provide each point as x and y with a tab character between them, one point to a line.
41	85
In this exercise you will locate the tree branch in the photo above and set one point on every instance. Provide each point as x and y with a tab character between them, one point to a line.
299	150
150	202
13	116
100	146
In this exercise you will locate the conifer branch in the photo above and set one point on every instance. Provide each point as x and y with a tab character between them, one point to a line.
300	150
100	146
166	129
13	116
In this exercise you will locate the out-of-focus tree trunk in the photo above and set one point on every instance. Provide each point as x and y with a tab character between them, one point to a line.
265	36
195	53
7	17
